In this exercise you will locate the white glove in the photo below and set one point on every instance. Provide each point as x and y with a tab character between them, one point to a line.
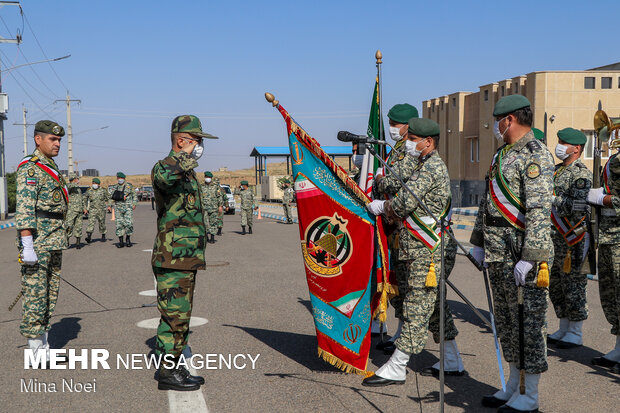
29	256
478	254
521	270
376	207
596	196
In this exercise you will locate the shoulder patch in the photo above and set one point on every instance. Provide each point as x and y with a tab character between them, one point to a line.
580	183
31	172
31	181
533	170
533	146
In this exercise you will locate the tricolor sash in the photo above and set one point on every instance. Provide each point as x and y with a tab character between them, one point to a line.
53	173
606	174
425	229
505	201
564	227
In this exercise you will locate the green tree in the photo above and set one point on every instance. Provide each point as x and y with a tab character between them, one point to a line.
11	189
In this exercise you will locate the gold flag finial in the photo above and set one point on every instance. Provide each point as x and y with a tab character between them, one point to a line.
271	99
379	56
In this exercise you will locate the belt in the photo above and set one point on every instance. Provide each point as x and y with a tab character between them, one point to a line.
608	212
50	215
491	221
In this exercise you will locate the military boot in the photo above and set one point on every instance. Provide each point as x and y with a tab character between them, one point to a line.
175	379
121	242
219	231
88	235
103	238
78	243
190	377
128	241
242	229
212	239
249	230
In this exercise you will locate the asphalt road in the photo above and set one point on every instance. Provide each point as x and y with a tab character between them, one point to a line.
255	298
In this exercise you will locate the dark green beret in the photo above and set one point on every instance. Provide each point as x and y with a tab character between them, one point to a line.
96	181
208	174
244	183
286	181
572	136
538	134
423	127
48	126
402	112
509	104
72	176
120	175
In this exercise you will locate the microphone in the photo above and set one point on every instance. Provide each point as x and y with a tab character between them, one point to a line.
346	136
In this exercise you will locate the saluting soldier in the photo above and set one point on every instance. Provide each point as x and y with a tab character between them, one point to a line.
431	183
212	205
512	236
176	259
247	206
288	197
96	201
567	285
42	199
75	211
125	200
608	196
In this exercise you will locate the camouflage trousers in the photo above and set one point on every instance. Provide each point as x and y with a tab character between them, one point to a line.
74	223
287	212
175	295
210	220
124	219
246	217
450	331
505	291
40	291
568	291
220	220
609	284
96	216
418	304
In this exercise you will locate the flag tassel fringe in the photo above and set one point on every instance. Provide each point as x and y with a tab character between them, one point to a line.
339	364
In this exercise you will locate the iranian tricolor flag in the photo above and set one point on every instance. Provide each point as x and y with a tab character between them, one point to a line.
375	130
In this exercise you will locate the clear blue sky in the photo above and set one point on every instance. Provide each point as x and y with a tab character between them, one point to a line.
137	64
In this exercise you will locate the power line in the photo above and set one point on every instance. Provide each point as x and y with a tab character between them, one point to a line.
36	74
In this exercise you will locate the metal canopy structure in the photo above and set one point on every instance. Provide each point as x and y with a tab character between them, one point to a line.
261	153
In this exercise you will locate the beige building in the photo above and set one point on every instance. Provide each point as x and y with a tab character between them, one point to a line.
559	99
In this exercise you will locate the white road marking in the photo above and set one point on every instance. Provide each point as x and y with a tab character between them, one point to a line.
148	293
187	401
154	322
151	250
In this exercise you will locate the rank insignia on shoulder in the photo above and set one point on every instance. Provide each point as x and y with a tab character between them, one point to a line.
533	170
580	183
533	146
31	181
31	172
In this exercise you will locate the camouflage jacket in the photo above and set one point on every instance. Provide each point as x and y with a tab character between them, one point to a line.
528	170
610	225
431	183
130	195
76	203
247	198
41	202
96	200
288	195
571	183
223	197
211	198
403	165
180	239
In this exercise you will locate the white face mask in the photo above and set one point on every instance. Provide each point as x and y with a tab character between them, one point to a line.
560	151
498	135
395	133
412	149
197	151
95	186
358	160
121	181
208	180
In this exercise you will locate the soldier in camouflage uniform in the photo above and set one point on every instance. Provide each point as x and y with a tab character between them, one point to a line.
178	252
42	199
431	183
288	197
76	211
224	204
385	187
96	201
123	208
247	205
211	204
567	285
608	197
516	245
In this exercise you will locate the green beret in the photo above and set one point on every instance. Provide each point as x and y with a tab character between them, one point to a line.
189	124
286	181
96	181
538	134
572	136
245	183
509	104
48	126
402	112
72	176
423	127
208	174
120	175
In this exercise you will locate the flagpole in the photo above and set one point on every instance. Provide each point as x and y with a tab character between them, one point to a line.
379	57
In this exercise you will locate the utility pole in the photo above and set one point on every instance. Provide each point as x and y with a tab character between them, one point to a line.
25	125
69	131
4	200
